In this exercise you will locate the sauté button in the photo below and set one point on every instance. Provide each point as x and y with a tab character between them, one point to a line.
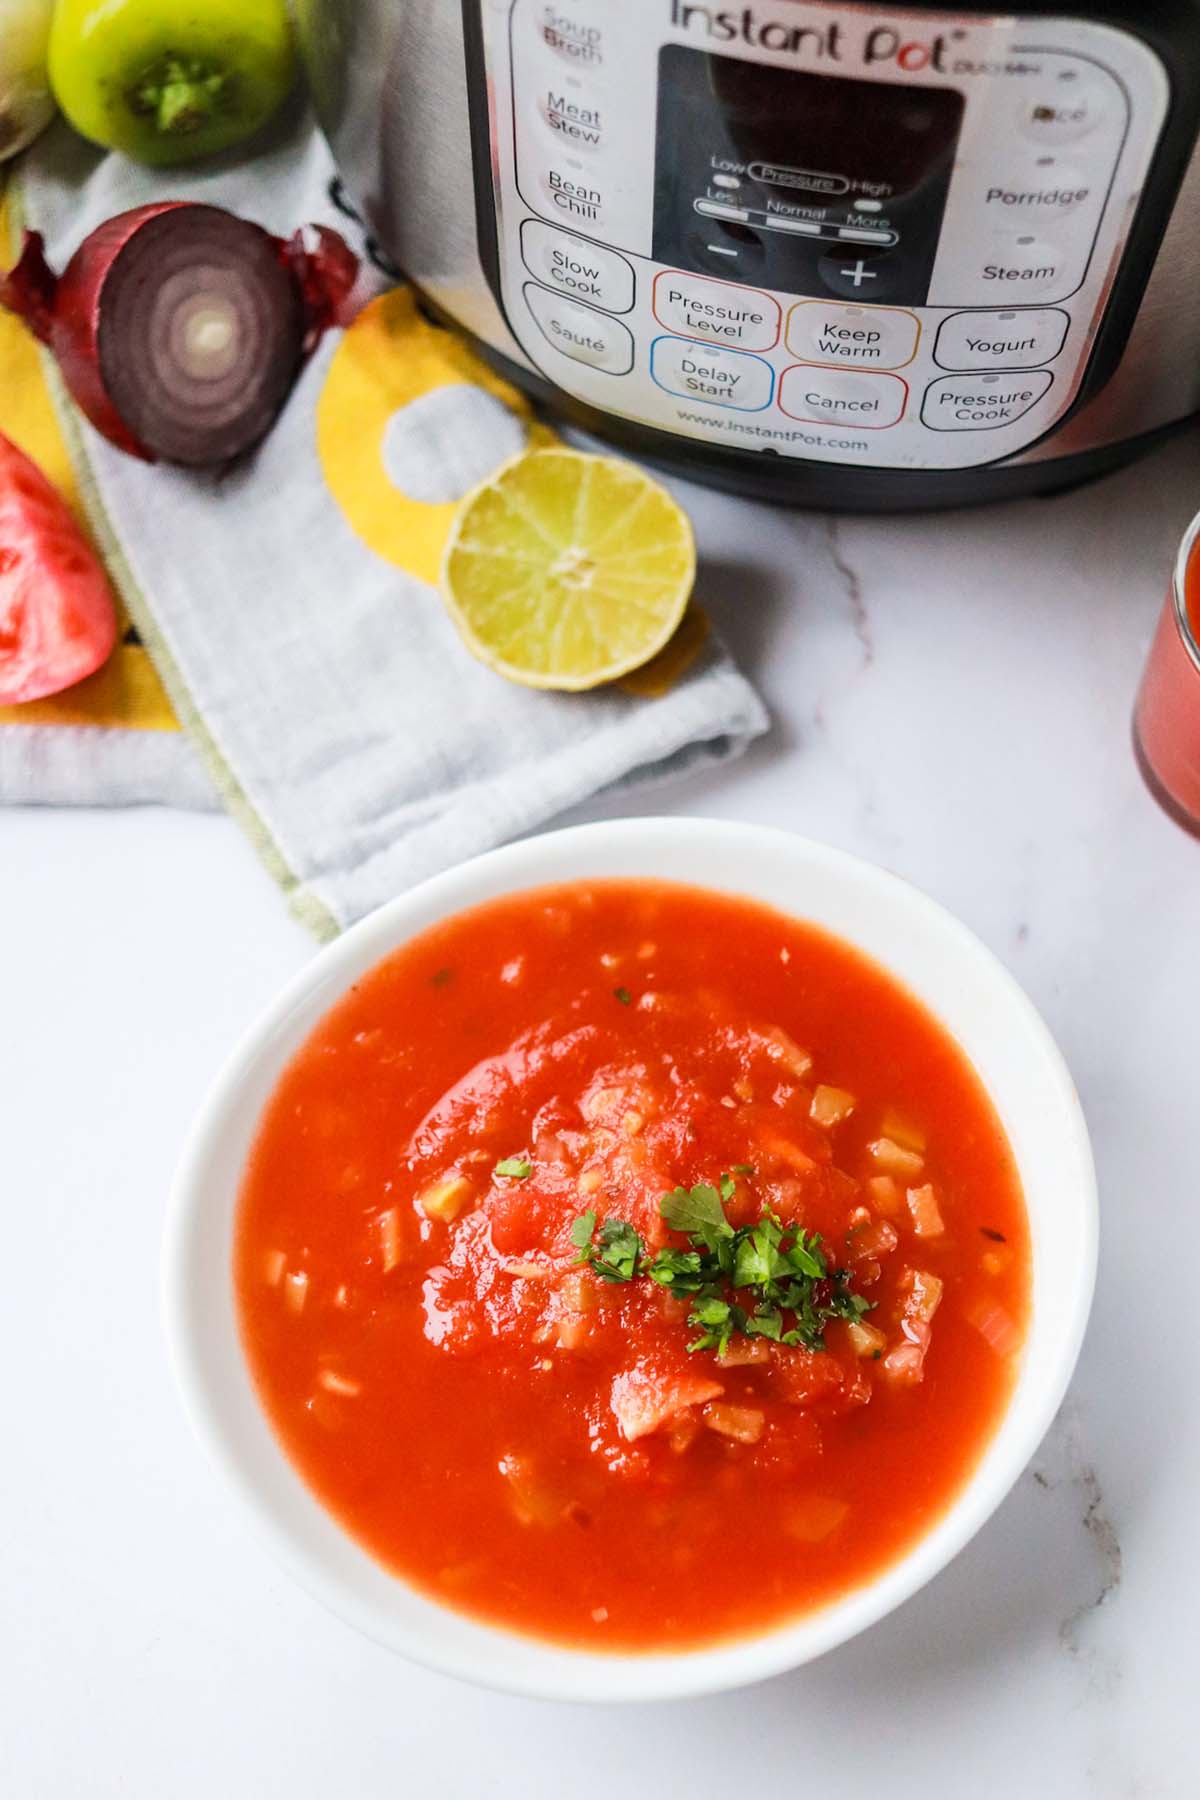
716	376
580	332
1001	339
841	397
589	272
981	402
720	312
878	337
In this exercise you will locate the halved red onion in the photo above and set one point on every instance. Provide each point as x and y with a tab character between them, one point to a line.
180	328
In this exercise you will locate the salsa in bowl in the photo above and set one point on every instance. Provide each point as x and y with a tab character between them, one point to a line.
605	1279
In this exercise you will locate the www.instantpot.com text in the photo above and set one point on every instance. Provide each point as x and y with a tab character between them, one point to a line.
813	440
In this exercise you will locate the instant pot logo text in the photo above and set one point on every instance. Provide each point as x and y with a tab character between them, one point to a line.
818	43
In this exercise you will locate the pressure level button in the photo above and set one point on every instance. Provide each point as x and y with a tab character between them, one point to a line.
719	312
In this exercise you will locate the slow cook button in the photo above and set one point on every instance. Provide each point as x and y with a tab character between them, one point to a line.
1001	339
718	377
981	402
580	332
719	312
877	337
587	271
840	397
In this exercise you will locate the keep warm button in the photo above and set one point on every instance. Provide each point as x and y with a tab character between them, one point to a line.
982	402
718	312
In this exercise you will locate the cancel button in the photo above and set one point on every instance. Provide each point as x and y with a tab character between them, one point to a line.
982	402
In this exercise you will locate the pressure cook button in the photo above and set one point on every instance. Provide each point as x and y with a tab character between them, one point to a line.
981	402
875	337
718	377
1001	339
580	332
839	397
589	272
720	312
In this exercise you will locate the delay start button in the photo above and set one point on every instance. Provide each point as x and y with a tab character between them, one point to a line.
719	312
982	402
717	377
838	397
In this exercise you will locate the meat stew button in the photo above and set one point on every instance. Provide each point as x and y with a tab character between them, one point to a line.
580	332
982	402
719	312
841	397
717	377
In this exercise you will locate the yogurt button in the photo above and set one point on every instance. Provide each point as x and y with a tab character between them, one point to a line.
837	397
570	264
1001	339
580	332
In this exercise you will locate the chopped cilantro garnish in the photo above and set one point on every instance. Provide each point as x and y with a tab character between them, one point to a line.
623	995
515	1168
780	1272
698	1212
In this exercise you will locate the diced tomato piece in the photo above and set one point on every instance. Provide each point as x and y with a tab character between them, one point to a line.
802	1377
58	622
645	1398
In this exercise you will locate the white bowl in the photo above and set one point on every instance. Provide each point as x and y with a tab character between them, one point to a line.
928	950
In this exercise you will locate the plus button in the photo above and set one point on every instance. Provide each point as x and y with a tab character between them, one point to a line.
859	272
868	277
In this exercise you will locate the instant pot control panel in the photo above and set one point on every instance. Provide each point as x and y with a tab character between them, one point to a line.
839	233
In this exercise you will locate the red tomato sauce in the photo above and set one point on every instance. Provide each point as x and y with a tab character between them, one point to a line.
537	1446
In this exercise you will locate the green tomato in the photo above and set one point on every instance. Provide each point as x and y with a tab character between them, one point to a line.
168	81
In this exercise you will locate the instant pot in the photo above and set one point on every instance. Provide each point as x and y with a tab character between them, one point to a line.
838	255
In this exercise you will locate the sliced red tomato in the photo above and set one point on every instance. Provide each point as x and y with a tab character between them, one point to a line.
58	621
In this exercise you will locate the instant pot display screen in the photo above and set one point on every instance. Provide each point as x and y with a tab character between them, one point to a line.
810	184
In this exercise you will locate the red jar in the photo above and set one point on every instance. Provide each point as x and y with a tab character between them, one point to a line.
1166	721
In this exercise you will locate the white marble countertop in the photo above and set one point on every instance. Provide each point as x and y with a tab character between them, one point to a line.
952	698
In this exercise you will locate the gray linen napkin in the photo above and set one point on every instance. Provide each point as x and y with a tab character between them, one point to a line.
326	690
